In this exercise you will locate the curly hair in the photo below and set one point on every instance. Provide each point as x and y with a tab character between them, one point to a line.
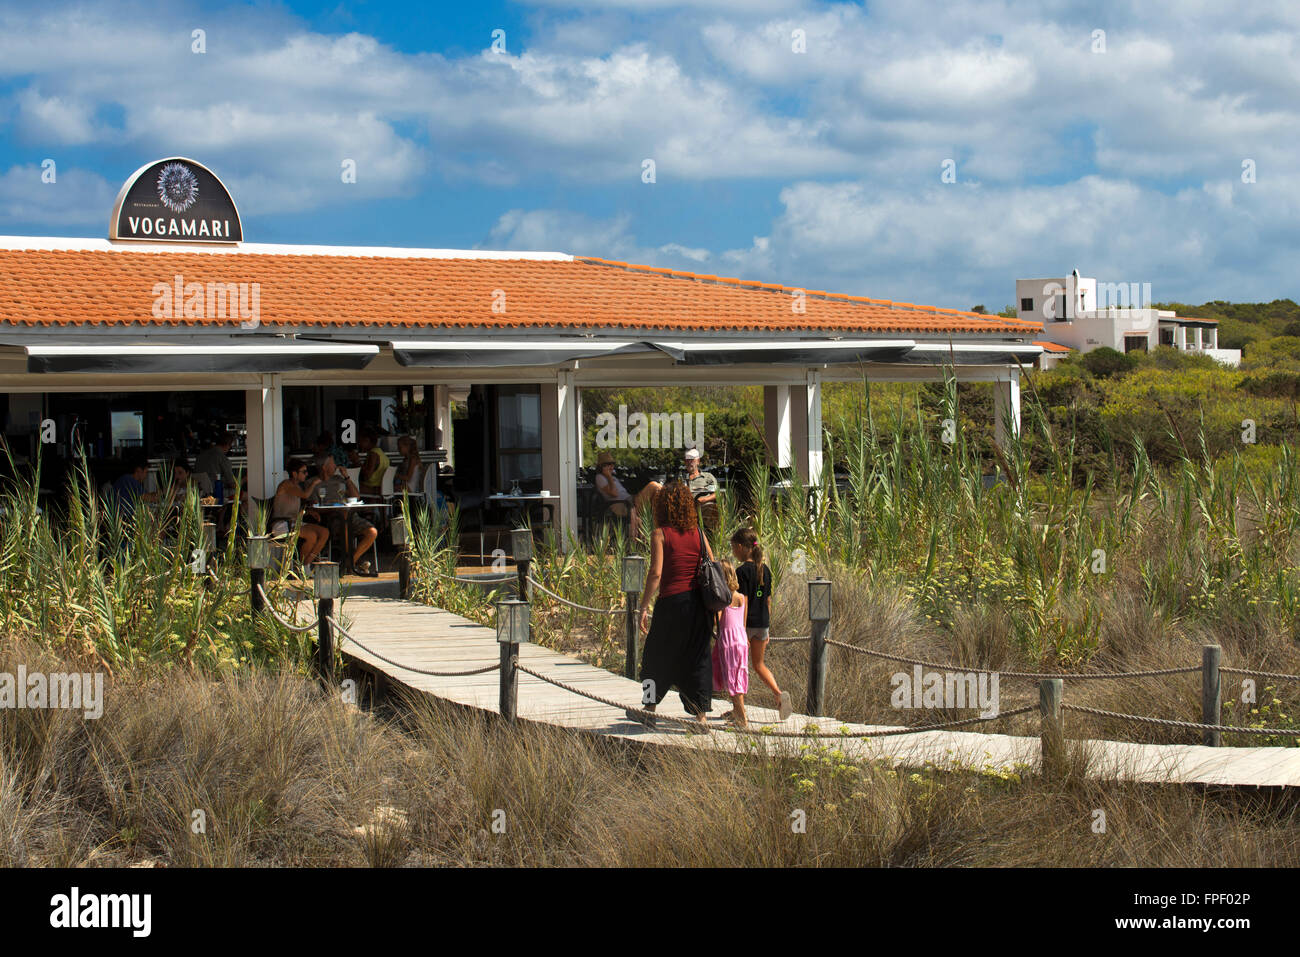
675	507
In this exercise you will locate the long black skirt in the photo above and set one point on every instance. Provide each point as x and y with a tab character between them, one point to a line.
677	652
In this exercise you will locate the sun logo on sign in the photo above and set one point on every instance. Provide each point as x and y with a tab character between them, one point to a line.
177	187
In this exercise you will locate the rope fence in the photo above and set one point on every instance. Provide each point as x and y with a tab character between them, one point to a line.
291	625
574	604
763	730
397	664
1189	725
1031	675
516	630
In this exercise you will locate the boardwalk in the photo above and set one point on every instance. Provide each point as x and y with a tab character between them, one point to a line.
437	640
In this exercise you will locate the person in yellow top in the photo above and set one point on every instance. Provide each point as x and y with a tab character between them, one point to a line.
373	461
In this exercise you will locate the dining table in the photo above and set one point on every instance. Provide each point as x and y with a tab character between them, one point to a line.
343	510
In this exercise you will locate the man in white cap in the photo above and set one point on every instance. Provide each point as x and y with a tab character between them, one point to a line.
702	485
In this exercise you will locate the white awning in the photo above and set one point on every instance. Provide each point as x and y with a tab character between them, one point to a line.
791	352
196	355
972	353
485	353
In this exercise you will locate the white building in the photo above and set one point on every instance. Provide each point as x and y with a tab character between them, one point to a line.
1080	313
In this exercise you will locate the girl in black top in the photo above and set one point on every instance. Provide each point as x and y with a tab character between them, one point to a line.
756	585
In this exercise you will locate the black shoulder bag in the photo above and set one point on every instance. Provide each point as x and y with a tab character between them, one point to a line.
710	582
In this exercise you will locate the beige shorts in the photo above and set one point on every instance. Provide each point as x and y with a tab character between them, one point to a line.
757	634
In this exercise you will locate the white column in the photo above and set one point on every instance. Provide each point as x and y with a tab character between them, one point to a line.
1197	337
442	419
777	425
559	450
264	418
1006	398
1180	337
577	392
806	428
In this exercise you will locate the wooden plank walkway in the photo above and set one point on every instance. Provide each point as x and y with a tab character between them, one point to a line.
437	640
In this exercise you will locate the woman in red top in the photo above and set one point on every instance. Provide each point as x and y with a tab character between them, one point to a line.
677	639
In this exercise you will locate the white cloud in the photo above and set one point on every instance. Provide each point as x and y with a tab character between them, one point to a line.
75	198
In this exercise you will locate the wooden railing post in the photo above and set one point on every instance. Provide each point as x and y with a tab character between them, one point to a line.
633	582
521	546
512	631
1211	693
1051	727
819	616
325	578
398	532
259	556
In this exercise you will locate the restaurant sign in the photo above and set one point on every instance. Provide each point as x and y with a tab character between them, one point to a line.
175	200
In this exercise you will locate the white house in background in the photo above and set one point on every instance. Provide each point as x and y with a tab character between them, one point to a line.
1080	313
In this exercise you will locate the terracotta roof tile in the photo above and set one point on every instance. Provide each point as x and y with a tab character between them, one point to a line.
93	287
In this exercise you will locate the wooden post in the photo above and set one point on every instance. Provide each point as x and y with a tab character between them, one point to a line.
819	615
633	580
325	581
523	589
509	703
256	581
629	665
1211	693
404	574
324	640
1051	727
259	556
512	629
397	531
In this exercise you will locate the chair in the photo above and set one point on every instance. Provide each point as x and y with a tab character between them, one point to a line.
354	476
386	483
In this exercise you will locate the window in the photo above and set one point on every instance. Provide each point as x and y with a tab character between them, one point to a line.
519	434
1166	337
1135	344
1027	305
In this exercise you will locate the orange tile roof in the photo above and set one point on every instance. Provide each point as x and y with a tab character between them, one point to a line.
1053	346
62	287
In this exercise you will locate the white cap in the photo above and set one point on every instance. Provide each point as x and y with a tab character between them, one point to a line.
692	453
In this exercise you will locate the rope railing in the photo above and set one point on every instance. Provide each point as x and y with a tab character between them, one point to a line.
515	630
291	625
1253	672
809	730
1031	675
397	664
1188	725
573	604
476	581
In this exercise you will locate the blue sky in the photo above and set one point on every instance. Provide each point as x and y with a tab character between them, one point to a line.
793	142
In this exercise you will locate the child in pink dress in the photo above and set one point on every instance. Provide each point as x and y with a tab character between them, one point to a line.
731	649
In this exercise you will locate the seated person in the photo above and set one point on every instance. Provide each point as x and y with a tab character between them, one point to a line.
373	461
324	444
610	488
410	471
289	498
338	488
702	485
214	462
129	487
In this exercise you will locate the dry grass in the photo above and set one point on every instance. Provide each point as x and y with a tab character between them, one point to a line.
288	776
